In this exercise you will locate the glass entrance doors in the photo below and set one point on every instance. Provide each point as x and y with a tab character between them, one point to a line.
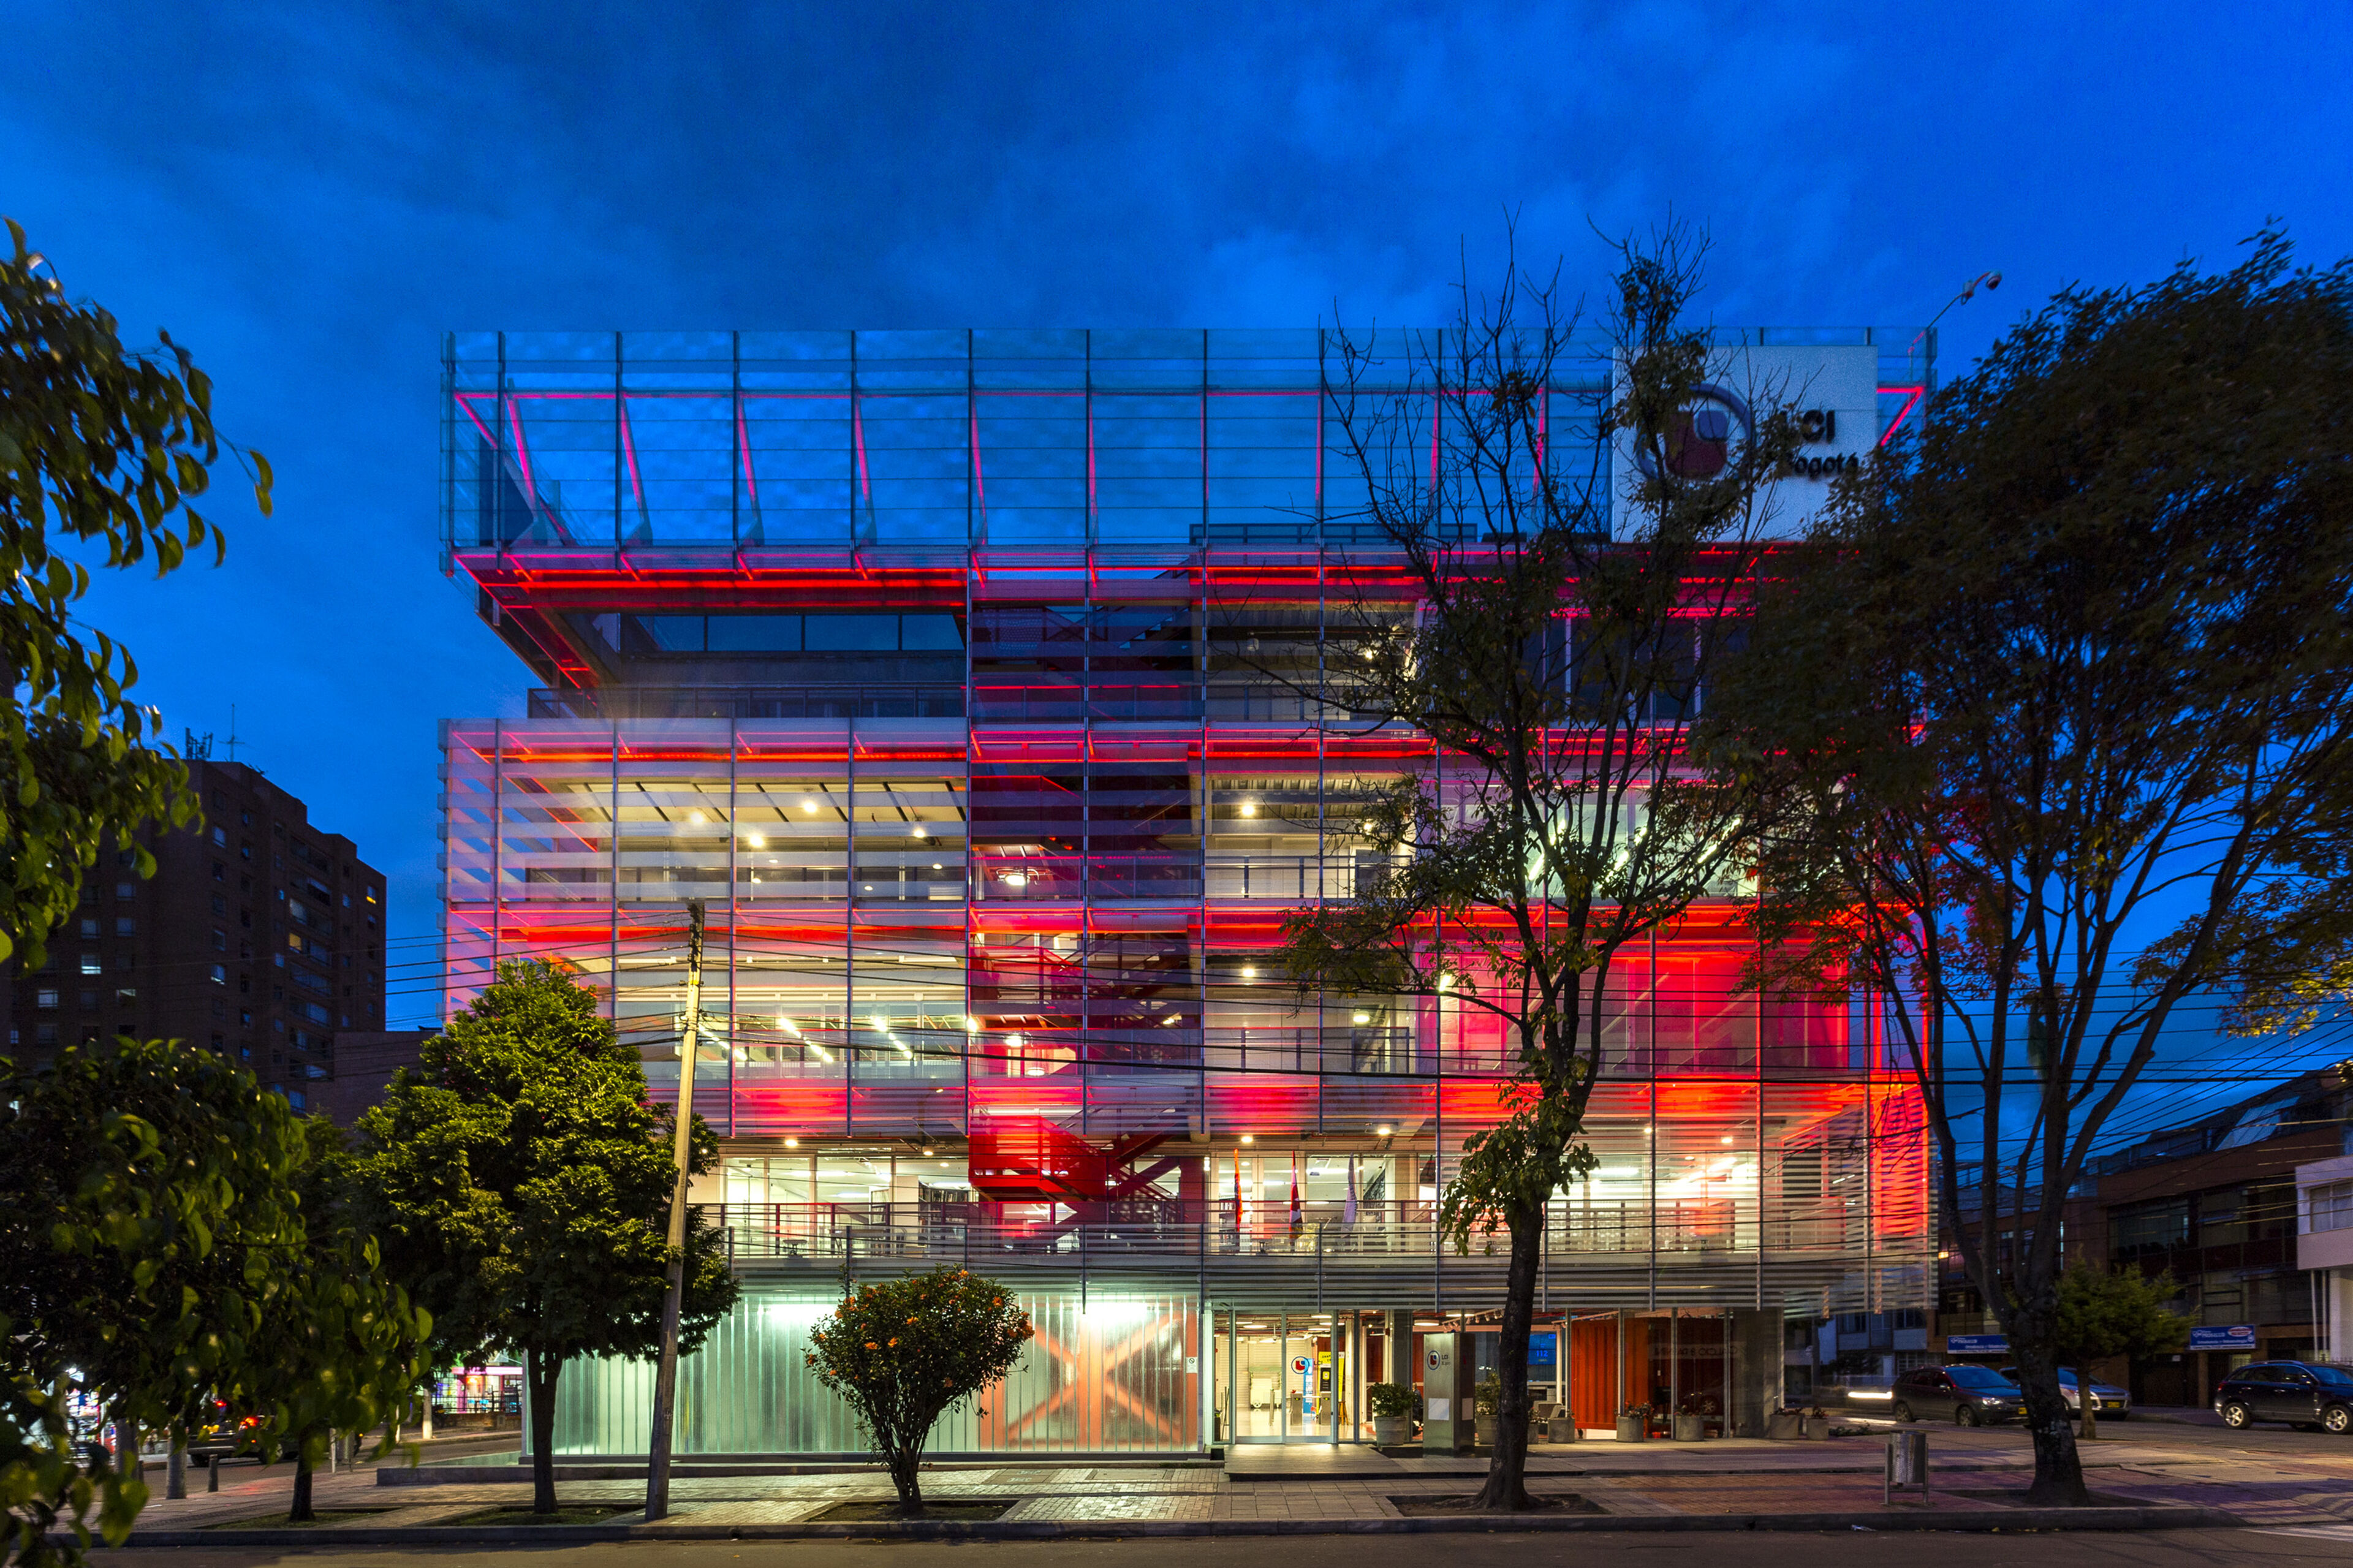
1288	1377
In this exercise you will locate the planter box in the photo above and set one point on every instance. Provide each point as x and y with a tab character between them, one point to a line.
1483	1431
1690	1428
1392	1431
1631	1429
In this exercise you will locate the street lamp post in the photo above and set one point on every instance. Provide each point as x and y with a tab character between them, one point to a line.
666	1369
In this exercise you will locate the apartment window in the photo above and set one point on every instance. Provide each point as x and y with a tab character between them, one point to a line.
89	1000
45	1034
2143	1230
220	974
220	872
46	999
220	1045
220	942
220	836
126	890
90	964
245	1017
125	926
220	905
126	995
2331	1207
89	928
127	859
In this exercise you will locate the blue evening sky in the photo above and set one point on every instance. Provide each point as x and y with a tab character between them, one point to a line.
309	195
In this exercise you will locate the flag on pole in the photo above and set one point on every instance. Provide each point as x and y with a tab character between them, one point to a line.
1298	1219
1348	1215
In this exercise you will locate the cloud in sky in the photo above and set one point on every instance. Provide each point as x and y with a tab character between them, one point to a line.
311	194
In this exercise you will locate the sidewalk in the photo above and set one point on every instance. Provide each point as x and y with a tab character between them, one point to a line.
1978	1480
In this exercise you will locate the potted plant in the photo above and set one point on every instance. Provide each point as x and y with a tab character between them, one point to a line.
1634	1423
1487	1396
1394	1405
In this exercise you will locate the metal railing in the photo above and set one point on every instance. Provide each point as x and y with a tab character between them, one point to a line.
1170	1229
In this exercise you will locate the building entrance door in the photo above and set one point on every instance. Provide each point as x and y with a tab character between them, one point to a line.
1280	1378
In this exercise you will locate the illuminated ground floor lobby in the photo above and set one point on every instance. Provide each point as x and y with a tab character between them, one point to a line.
1121	1370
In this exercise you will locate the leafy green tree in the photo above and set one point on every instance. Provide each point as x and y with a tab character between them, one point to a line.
519	1184
103	451
1555	655
347	1346
2108	1313
151	1219
2069	679
904	1351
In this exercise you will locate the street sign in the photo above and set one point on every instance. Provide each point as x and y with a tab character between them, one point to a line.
1977	1344
2236	1337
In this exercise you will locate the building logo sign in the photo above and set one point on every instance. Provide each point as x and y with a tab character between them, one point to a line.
1829	391
1699	444
2236	1337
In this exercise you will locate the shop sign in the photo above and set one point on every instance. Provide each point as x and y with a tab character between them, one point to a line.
1977	1344
2236	1337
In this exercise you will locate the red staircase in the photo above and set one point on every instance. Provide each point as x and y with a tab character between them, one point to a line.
1032	1160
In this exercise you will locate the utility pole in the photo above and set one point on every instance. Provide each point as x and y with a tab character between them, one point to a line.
666	1370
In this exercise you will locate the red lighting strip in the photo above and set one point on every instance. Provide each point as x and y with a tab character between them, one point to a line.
1910	403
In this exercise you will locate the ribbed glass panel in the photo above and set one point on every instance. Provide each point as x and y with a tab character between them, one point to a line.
1106	1378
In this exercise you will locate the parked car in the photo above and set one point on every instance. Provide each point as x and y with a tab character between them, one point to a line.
1972	1395
2115	1404
2301	1392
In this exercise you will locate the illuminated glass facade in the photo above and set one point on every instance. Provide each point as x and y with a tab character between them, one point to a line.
933	662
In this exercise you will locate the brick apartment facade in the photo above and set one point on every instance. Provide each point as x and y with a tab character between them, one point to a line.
2214	1203
260	936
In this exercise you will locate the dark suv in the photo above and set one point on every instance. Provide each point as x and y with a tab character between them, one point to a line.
1973	1395
2301	1392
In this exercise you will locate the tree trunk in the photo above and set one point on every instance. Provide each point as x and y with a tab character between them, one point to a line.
298	1508
2058	1467
906	1460
126	1447
540	1372
1506	1489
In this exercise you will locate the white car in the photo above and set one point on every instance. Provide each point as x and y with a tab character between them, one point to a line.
2115	1404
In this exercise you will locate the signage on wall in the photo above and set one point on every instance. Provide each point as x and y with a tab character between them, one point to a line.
2236	1337
1977	1344
1299	1363
1830	392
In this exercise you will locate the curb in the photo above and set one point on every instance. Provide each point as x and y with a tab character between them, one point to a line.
1974	1520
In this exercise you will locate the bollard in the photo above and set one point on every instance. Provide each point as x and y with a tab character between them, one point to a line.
1907	1464
212	1473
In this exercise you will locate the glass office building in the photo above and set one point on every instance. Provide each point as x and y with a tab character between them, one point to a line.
935	665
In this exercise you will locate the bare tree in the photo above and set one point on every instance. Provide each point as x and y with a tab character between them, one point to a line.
1555	669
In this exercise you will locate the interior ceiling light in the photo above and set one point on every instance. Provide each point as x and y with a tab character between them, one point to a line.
1360	1018
1249	808
1248	1138
696	817
757	840
1017	879
1383	1132
808	805
1250	972
919	831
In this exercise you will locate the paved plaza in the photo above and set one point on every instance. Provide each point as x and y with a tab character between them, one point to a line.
2272	1479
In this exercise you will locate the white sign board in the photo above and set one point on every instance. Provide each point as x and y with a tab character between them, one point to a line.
1832	393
